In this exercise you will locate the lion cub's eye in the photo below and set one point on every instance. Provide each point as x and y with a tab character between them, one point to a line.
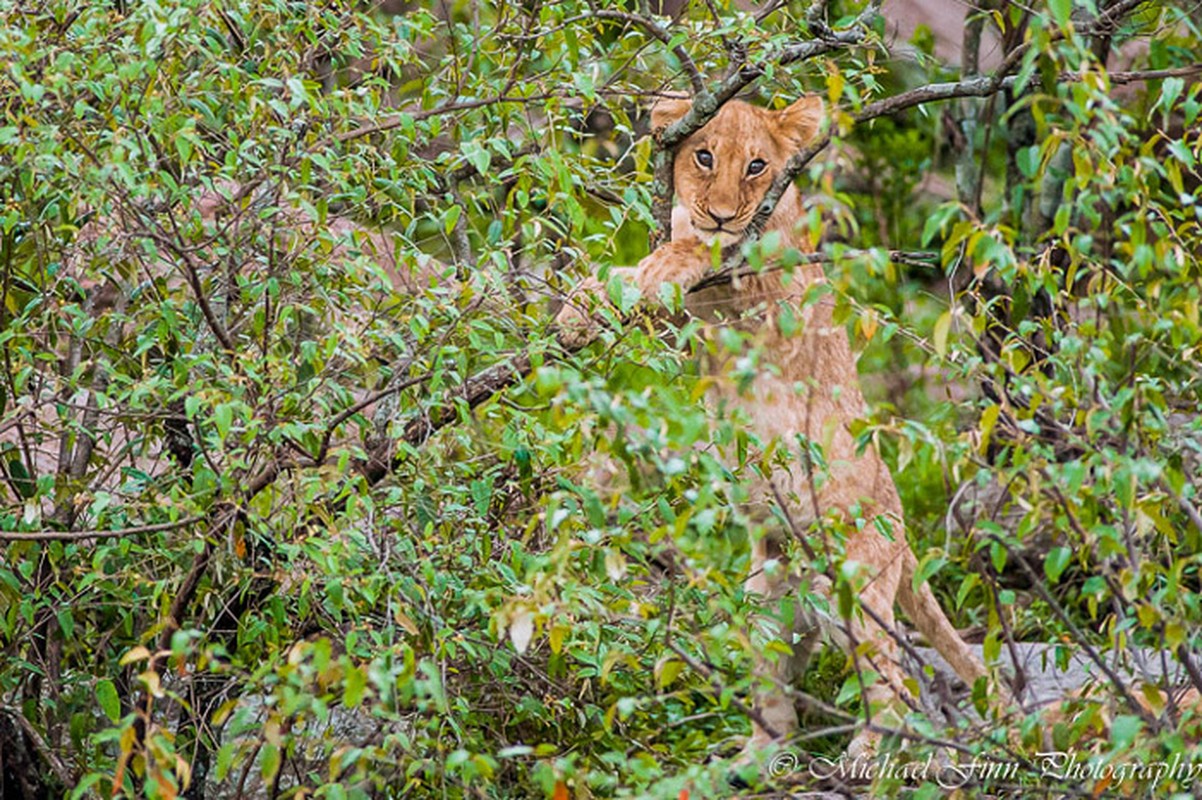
705	158
756	166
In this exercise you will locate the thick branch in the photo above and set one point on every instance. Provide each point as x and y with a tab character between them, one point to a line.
48	754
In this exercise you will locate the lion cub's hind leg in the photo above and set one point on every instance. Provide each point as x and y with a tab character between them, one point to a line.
801	623
873	631
798	628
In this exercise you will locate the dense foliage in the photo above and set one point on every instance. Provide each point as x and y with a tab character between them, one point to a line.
295	506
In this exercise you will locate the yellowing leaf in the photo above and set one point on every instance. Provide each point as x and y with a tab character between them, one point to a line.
406	622
943	326
558	634
834	85
615	565
667	670
1153	696
136	654
150	679
988	421
869	322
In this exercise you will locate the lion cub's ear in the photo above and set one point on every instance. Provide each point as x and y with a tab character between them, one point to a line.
801	121
667	110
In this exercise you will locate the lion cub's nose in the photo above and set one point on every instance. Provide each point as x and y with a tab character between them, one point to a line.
720	218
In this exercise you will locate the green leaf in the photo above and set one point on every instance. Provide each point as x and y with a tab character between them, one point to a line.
1028	161
1056	560
943	326
24	483
109	700
450	218
225	760
269	762
1124	729
478	156
356	685
1062	11
223	418
966	586
66	622
1170	90
928	566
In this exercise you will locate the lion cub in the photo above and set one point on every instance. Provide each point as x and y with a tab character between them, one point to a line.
811	390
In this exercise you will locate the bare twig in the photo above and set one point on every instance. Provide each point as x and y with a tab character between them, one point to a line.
1191	667
724	275
711	676
71	536
1154	74
1079	637
652	27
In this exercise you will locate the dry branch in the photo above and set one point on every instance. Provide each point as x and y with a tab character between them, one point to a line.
653	28
73	536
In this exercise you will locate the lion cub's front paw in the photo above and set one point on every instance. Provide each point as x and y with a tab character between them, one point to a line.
683	262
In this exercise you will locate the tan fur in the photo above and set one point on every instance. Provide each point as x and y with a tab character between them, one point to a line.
810	388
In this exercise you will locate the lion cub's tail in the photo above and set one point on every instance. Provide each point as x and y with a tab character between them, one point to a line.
927	615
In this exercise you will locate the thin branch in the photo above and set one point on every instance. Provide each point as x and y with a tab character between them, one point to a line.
72	536
1191	667
417	115
191	270
653	28
52	759
1154	74
355	408
724	275
1079	637
711	676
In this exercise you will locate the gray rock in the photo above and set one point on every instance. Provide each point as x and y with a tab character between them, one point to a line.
1046	682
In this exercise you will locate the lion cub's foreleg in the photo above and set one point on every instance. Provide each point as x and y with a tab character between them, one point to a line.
682	262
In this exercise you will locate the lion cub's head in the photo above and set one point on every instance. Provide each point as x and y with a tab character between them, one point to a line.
723	170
